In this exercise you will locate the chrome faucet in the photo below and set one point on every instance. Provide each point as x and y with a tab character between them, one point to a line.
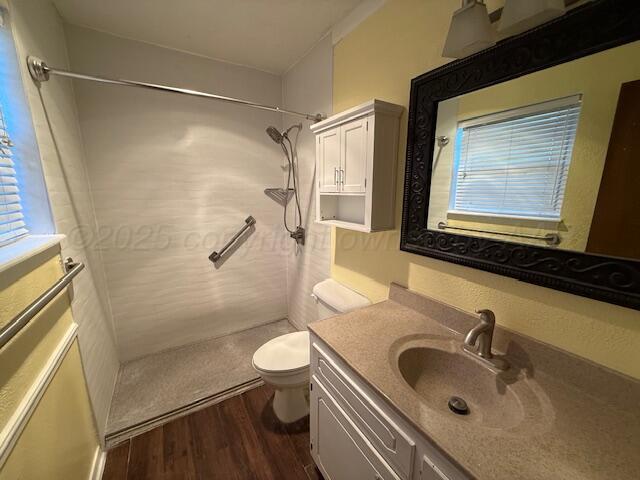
478	340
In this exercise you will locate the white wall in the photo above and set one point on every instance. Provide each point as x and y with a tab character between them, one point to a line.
38	31
307	87
173	177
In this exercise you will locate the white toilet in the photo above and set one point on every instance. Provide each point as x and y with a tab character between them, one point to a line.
283	362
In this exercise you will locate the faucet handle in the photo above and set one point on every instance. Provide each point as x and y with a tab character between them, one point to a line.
487	316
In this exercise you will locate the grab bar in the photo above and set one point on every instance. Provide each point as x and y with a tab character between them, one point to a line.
550	238
12	328
248	223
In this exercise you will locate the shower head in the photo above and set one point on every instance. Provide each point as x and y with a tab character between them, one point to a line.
275	135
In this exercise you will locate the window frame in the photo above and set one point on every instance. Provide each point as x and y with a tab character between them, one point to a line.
501	116
15	88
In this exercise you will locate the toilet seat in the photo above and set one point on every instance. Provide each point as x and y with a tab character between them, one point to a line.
283	355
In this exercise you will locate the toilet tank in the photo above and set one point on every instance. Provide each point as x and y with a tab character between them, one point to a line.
332	298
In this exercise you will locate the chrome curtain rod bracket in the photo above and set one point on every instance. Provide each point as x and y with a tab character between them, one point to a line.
550	238
248	223
41	72
21	320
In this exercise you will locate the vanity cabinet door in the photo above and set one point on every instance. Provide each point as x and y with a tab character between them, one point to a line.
391	441
337	447
328	155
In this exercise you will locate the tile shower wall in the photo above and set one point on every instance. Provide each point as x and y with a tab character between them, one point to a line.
38	30
307	87
173	178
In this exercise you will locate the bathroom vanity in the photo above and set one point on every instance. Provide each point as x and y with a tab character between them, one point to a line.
381	378
354	434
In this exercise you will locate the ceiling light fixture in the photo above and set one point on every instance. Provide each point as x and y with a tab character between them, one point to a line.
470	30
521	15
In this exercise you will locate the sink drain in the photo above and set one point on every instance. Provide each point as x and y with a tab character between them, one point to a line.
458	406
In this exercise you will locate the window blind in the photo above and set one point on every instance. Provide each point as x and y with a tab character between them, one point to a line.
12	225
516	163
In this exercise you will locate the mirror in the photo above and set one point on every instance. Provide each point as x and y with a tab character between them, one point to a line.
547	159
523	159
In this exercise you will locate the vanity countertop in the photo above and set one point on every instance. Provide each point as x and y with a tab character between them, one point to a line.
586	424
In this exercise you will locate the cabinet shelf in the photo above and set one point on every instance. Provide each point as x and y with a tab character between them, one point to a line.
345	194
343	210
346	225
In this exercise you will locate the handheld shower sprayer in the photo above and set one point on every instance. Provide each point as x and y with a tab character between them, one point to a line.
275	135
278	137
283	140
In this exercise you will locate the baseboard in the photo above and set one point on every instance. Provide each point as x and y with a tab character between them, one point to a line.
17	422
97	469
113	439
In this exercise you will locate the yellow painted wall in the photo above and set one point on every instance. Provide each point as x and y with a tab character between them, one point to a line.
378	60
26	355
60	440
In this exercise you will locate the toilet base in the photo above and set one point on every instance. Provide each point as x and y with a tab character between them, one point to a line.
291	403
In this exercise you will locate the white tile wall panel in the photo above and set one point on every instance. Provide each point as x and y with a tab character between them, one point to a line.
307	87
172	179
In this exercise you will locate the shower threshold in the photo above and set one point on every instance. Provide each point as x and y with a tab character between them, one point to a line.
160	387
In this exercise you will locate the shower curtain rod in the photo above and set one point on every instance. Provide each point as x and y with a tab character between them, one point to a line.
40	72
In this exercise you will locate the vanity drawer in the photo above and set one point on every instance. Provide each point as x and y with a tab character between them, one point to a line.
383	433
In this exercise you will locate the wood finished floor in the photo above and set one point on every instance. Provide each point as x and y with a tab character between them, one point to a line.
239	438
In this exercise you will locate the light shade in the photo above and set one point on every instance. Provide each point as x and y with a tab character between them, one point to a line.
521	15
470	31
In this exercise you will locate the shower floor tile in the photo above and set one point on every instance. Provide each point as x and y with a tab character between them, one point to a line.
162	386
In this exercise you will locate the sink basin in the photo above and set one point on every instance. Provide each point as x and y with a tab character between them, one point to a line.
437	370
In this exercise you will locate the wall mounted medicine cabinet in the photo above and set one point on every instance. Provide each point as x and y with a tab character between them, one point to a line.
356	156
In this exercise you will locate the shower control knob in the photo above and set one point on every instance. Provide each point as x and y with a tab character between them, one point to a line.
298	235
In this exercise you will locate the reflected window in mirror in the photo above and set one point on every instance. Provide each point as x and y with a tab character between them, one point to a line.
537	160
515	164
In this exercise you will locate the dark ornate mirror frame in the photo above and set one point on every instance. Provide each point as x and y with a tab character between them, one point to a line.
591	28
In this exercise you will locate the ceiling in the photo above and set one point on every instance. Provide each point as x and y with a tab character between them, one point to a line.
270	35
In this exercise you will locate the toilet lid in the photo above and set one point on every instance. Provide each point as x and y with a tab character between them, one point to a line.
284	353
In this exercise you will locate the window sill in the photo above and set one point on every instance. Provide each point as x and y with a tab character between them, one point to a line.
25	248
534	222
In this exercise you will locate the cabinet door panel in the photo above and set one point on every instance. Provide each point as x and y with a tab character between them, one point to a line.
395	446
329	160
354	156
338	448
